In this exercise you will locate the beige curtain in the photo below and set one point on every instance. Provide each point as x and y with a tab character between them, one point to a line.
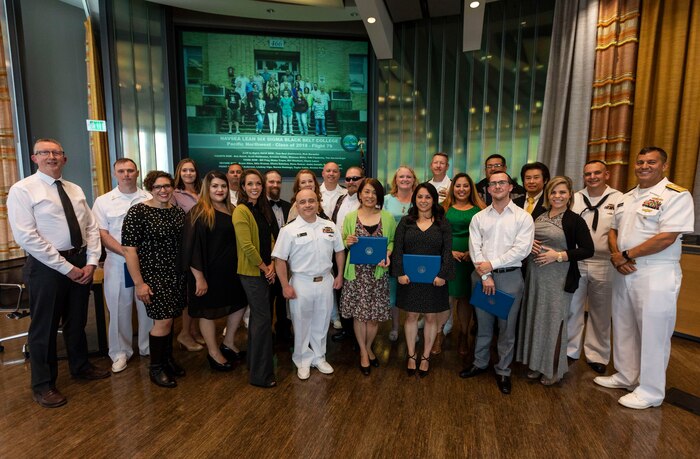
99	148
8	163
667	99
613	87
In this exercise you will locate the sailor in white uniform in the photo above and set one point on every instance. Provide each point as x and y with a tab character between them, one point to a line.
304	251
645	246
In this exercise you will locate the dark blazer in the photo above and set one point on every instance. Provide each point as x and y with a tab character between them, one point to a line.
579	246
285	205
539	209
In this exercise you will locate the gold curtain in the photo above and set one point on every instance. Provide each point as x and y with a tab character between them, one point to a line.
614	87
99	148
667	101
8	162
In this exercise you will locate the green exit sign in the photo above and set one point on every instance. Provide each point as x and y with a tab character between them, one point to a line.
96	125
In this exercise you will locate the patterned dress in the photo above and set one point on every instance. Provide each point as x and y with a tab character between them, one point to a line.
366	298
156	233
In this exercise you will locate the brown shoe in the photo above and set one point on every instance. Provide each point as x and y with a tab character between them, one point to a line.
50	398
437	345
91	373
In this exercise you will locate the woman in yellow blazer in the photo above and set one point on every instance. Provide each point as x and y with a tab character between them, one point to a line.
365	295
256	229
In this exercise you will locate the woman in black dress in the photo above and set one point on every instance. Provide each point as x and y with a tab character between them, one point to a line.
151	237
424	231
213	287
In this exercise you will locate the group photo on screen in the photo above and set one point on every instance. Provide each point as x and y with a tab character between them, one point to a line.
274	101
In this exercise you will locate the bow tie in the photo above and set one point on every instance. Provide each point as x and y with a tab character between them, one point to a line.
275	203
594	209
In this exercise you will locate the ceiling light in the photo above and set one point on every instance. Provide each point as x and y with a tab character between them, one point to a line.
474	5
371	20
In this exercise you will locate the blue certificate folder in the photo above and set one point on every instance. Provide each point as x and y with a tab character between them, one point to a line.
421	269
498	304
128	281
368	250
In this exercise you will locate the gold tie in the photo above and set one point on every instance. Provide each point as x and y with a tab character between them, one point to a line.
530	204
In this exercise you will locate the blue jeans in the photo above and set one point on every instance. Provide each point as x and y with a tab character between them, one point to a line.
259	124
320	126
302	122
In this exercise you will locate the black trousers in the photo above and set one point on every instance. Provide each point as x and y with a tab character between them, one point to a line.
55	299
278	304
260	365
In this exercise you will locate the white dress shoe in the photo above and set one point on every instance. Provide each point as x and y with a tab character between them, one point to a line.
323	366
633	401
119	364
303	373
611	383
337	324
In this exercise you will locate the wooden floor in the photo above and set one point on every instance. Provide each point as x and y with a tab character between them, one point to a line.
342	415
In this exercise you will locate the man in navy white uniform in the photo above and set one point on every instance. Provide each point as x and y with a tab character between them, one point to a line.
596	204
645	247
500	237
52	222
307	245
110	210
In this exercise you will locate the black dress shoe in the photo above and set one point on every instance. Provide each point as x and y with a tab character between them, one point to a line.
504	384
598	367
374	362
340	336
172	369
230	354
160	378
365	370
50	398
216	366
267	385
92	373
471	372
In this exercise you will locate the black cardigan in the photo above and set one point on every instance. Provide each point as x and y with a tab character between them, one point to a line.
579	246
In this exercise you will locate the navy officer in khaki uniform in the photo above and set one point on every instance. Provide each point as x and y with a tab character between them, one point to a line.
645	247
304	251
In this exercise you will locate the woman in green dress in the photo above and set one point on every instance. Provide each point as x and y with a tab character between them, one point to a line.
461	204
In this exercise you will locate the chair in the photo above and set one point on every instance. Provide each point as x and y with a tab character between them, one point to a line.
17	312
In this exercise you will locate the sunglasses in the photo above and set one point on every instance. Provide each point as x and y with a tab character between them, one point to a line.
354	178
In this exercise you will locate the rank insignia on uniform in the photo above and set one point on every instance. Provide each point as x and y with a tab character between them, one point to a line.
301	234
676	188
652	203
328	229
610	207
620	204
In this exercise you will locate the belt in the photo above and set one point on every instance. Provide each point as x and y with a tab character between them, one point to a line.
307	277
72	252
504	270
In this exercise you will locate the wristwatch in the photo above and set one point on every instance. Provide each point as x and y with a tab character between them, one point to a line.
560	257
485	276
626	255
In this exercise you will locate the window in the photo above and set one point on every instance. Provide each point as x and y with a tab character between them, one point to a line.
193	65
358	72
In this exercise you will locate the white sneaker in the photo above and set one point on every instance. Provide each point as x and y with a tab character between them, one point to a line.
337	324
119	364
611	383
303	373
633	401
323	366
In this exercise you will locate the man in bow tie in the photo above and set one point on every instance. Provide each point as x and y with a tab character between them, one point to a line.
596	204
278	305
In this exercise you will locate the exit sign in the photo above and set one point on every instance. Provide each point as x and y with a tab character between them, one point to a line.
96	125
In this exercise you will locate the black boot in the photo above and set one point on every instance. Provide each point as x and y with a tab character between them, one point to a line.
159	377
171	367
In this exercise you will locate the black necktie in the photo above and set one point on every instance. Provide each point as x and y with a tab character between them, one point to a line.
76	237
594	209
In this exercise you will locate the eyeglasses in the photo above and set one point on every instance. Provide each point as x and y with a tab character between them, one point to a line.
494	166
499	183
354	178
161	187
58	153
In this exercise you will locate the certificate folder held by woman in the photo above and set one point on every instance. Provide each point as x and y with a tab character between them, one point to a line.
368	250
421	269
497	304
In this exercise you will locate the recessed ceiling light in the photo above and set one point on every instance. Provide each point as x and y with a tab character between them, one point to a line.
474	5
371	20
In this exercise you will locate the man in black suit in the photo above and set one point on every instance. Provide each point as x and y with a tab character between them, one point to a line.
496	163
52	222
535	177
280	207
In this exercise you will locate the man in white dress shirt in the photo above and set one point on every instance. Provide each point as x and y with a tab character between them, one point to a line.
439	166
307	246
52	222
110	210
330	189
233	174
645	247
500	237
596	204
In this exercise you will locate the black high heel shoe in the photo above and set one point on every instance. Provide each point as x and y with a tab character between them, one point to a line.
230	354
374	362
216	366
411	371
424	373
